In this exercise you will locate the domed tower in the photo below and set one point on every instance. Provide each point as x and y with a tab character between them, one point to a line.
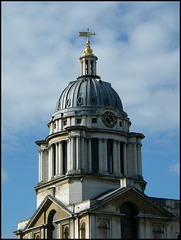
89	149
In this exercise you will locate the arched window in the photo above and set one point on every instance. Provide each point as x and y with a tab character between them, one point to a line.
65	232
110	155
64	146
52	226
157	231
82	231
128	221
95	155
103	229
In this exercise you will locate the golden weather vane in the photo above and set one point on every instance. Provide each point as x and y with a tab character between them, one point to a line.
87	34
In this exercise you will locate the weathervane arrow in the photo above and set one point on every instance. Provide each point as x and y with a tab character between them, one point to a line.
86	34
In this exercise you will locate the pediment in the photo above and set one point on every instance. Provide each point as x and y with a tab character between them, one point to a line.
111	202
40	217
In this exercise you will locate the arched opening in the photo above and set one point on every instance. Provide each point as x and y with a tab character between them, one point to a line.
110	155
66	232
128	221
103	229
157	232
82	231
64	146
52	226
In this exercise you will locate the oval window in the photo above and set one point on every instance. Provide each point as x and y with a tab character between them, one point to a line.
93	100
80	101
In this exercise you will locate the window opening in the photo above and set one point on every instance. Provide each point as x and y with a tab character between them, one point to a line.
65	122
103	229
95	155
80	101
157	232
78	120
91	67
128	221
94	120
86	66
106	102
66	232
64	146
110	155
82	231
93	100
52	226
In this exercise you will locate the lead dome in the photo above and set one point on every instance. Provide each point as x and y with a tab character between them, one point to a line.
88	93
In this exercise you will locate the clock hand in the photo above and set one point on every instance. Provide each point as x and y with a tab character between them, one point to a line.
109	118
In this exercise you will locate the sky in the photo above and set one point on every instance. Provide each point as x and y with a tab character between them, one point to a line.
137	45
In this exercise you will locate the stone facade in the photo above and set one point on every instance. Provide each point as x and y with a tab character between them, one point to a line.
90	170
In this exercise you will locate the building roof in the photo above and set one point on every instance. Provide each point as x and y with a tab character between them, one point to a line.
87	95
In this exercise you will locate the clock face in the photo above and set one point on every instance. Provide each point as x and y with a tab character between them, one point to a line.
109	119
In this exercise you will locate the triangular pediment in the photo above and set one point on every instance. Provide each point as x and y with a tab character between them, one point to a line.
111	202
40	217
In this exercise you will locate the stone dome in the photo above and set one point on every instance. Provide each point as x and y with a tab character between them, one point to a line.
87	95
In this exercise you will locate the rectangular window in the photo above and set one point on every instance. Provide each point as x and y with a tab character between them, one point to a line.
94	120
95	155
64	146
110	155
65	122
78	120
120	124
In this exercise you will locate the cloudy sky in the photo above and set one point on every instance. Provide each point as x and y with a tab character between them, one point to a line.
137	45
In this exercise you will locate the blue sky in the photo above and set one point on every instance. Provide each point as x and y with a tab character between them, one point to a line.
137	45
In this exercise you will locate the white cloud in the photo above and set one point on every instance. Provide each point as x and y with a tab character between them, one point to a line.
134	43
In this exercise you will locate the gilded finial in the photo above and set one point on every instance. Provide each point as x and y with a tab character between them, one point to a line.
87	34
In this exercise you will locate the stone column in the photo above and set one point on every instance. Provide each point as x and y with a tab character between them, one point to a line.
72	163
83	67
94	67
105	167
139	159
135	158
68	154
50	164
124	159
57	157
118	158
115	157
82	153
40	165
78	153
